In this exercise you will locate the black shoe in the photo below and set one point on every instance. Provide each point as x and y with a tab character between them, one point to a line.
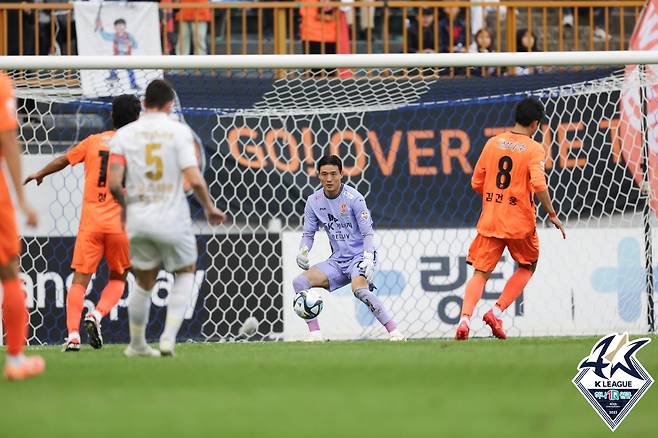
93	329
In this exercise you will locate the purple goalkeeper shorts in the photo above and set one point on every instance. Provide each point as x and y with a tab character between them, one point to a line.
340	273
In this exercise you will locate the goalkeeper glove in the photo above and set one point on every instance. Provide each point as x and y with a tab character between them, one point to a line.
367	266
302	258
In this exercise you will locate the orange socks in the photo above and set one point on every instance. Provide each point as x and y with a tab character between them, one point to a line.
110	296
74	304
514	287
14	315
474	289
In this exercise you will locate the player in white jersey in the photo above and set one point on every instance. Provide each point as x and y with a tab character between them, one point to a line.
155	154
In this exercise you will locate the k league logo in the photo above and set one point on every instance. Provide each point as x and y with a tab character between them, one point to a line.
611	378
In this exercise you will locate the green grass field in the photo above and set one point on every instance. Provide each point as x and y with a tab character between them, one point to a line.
517	388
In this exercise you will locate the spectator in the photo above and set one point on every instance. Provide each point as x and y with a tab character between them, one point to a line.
483	43
599	21
193	24
366	18
318	26
479	15
421	33
526	41
452	31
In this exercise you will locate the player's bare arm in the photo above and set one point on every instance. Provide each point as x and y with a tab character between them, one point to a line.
545	200
214	215
54	166
117	170
12	156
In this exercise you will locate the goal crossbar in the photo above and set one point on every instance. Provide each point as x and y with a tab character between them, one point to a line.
330	61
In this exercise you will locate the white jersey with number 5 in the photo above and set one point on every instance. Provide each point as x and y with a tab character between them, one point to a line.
156	149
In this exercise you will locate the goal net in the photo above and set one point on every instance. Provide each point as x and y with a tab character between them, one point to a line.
409	138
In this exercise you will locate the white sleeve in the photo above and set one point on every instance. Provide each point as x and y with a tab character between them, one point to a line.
116	143
185	149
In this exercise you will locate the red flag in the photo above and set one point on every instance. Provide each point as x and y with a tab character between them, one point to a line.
645	37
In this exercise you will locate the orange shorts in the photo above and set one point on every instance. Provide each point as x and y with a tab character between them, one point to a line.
485	252
90	247
10	242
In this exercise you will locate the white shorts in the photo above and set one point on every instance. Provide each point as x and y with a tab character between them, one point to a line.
174	251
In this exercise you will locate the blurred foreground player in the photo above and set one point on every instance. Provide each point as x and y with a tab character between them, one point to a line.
509	172
14	312
101	232
345	217
154	154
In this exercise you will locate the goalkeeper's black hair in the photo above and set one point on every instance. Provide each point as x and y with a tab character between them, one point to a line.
158	94
125	109
330	160
529	110
119	21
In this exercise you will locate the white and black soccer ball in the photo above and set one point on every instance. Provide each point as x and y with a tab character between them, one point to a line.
307	304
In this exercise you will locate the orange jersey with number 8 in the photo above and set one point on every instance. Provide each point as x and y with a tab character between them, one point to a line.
100	212
508	173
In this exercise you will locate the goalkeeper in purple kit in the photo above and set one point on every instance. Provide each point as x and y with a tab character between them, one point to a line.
343	213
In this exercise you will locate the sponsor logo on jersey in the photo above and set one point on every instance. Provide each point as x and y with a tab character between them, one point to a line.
365	216
611	378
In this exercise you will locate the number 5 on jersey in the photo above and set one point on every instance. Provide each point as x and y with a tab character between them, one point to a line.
153	159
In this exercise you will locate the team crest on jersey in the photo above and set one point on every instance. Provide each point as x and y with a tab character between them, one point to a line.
343	208
611	378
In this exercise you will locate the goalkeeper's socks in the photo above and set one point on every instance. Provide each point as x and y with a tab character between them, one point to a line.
313	325
110	297
139	305
375	305
14	315
497	311
513	288
176	306
474	289
74	305
466	320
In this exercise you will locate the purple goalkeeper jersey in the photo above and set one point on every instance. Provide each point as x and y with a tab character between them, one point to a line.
345	219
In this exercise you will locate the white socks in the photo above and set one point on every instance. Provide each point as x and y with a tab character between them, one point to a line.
16	360
176	307
467	320
139	306
498	313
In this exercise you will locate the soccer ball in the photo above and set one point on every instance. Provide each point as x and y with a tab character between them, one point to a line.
307	304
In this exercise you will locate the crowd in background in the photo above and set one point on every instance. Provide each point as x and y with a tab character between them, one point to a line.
320	29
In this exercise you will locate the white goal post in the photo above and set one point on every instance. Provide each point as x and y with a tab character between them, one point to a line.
390	60
410	137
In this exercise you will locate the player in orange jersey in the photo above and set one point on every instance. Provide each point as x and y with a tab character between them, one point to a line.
101	232
508	173
14	312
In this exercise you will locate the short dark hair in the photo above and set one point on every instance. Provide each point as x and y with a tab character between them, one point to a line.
158	94
125	109
119	21
529	110
330	160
